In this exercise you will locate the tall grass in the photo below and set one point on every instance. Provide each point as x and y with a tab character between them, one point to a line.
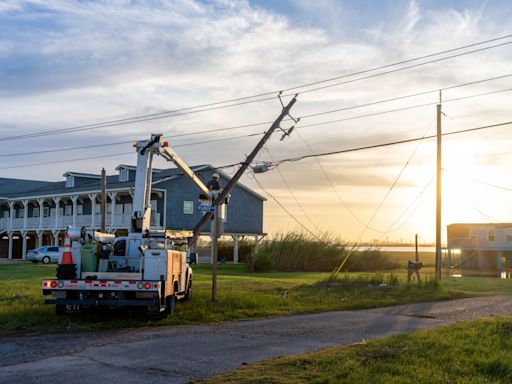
296	251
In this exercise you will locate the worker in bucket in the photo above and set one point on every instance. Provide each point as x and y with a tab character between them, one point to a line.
214	184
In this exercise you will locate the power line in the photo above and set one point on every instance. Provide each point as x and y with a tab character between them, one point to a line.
403	68
284	208
381	145
126	153
292	193
301	117
423	93
246	99
341	200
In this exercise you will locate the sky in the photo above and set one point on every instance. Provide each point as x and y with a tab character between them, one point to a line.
70	64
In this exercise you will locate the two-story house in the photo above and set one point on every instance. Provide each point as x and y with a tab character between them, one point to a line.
35	213
480	248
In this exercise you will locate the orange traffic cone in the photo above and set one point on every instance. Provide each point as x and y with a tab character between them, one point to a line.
67	255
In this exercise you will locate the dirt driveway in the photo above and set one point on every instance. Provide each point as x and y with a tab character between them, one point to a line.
185	353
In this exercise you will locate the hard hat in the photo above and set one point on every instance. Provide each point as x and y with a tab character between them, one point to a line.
216	175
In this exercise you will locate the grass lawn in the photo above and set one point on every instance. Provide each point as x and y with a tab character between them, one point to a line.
467	352
241	295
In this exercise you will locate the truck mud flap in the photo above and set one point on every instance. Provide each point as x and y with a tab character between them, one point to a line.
118	303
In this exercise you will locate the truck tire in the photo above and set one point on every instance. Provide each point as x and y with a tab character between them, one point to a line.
188	292
170	304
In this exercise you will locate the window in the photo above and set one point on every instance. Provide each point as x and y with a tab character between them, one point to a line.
508	234
68	210
46	211
472	234
97	208
79	210
53	249
70	182
128	208
35	212
21	212
119	209
490	235
188	207
124	175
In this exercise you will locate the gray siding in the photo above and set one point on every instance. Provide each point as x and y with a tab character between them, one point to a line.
244	212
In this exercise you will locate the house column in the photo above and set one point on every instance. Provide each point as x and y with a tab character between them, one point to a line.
235	248
57	210
41	211
11	215
74	199
113	197
24	247
256	243
92	196
39	238
9	234
55	234
25	213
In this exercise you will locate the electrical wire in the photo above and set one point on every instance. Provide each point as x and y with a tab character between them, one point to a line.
14	154
293	194
284	208
392	143
246	99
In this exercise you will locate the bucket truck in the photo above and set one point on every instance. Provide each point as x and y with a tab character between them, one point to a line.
141	269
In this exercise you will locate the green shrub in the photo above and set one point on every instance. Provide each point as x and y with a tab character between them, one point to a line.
300	252
370	260
261	262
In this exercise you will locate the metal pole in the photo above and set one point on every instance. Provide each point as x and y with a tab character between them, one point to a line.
103	200
438	194
416	244
215	249
231	183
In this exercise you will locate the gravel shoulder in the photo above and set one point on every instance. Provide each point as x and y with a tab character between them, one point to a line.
184	353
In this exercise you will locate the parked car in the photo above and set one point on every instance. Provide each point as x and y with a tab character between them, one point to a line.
47	254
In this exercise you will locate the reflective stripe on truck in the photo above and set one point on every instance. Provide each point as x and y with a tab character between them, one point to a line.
63	285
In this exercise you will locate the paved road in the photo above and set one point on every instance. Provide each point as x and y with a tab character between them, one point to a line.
182	354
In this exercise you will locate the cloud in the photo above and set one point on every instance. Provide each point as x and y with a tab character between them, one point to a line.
68	63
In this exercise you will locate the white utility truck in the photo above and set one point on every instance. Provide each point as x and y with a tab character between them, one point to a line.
139	270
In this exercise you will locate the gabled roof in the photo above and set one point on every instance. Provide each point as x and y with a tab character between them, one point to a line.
9	186
12	188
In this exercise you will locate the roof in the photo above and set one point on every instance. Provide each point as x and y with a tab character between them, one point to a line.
12	188
134	168
79	174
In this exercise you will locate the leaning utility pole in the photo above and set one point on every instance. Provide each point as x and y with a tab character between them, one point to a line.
103	200
232	182
438	193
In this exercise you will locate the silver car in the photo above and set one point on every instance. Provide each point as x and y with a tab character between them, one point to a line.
47	254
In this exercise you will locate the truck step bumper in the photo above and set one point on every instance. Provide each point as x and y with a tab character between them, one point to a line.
118	303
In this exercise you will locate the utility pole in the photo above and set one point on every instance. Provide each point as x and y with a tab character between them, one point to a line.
103	200
417	255
438	192
232	182
215	248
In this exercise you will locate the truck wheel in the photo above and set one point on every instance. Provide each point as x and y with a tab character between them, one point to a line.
46	260
188	293
170	306
60	309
